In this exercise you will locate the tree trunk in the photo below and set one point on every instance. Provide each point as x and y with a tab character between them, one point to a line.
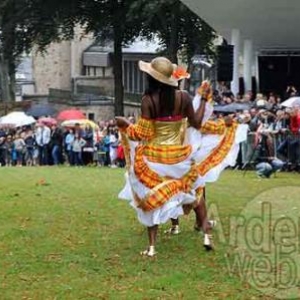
12	80
6	96
118	72
173	46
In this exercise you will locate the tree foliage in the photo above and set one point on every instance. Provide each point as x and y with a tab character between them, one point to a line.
29	23
178	28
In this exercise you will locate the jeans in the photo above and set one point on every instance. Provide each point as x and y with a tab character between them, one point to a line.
70	157
43	155
77	156
289	149
2	156
266	169
55	154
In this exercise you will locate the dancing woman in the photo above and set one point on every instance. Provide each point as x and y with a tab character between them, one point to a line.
166	167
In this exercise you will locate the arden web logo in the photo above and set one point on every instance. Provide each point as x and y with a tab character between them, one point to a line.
263	243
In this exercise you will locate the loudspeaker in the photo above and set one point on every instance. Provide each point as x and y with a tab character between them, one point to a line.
225	63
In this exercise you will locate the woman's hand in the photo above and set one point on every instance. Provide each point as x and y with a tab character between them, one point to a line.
205	91
228	121
122	122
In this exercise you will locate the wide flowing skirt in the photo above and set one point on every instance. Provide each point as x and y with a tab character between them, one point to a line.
209	156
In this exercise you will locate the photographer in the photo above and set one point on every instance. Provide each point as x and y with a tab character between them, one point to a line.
265	129
266	164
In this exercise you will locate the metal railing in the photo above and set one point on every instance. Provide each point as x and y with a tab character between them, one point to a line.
285	146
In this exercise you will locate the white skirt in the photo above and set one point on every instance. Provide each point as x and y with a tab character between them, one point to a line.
202	147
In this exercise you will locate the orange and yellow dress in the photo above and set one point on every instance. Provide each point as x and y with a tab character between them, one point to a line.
169	163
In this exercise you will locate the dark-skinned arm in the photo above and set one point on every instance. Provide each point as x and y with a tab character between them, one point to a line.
194	117
144	129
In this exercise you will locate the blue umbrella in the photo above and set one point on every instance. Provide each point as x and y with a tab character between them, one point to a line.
41	110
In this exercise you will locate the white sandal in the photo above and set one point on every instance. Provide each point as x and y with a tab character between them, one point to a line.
150	252
208	244
174	230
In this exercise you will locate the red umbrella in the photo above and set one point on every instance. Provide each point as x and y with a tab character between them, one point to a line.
71	114
47	121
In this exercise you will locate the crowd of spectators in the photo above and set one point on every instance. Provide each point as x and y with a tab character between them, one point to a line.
273	140
274	130
42	145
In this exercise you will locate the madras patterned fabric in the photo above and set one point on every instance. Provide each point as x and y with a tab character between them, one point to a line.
143	130
168	155
213	127
162	192
220	152
145	175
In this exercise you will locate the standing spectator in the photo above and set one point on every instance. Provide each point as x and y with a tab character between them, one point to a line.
78	130
88	151
2	149
77	146
113	146
56	145
9	148
289	148
121	156
30	147
69	140
106	147
43	135
19	146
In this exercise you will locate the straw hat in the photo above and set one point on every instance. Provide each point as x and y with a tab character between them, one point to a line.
161	69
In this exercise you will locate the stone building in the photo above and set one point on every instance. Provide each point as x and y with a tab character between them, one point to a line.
79	73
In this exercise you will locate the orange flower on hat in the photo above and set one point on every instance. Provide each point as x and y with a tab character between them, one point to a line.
181	73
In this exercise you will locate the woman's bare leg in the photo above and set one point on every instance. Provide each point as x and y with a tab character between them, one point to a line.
201	217
152	234
174	228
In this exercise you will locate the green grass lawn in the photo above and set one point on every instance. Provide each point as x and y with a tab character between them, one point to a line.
71	238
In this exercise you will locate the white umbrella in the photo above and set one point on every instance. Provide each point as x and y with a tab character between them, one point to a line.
17	119
292	102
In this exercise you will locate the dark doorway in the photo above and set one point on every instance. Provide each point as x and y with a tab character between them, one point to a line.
278	72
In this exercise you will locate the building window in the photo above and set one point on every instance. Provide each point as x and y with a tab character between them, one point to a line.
133	78
92	71
91	116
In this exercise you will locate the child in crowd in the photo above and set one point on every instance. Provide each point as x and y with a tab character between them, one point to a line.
77	146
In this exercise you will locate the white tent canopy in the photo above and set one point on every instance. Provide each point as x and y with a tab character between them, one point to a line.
268	23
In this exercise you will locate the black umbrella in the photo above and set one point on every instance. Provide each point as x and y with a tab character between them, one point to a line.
224	109
41	110
232	108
